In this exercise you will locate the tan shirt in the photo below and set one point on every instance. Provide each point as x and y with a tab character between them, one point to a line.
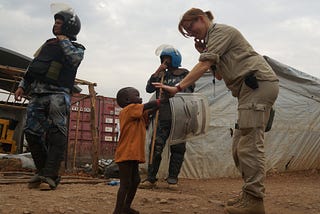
234	57
131	145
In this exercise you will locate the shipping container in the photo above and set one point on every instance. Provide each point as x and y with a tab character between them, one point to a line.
80	137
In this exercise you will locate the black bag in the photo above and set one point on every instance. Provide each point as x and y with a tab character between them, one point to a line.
39	67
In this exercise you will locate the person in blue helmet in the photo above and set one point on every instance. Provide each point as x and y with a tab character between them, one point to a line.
170	59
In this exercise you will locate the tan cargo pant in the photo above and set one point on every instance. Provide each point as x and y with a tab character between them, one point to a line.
248	148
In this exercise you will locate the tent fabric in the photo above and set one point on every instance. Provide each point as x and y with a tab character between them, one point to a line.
292	144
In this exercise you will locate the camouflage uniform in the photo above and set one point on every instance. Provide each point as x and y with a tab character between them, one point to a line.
47	115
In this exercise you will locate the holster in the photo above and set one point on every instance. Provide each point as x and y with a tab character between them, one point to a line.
251	81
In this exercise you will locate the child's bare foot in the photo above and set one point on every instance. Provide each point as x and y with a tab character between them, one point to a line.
133	211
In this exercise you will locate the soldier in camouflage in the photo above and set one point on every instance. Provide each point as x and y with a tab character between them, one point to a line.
49	81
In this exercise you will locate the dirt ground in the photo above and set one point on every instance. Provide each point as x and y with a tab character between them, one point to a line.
287	193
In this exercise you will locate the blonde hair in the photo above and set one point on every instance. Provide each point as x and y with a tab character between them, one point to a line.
193	14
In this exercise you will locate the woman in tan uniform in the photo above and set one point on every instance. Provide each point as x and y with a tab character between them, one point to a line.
227	53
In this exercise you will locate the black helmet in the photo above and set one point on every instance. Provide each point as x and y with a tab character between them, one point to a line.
71	24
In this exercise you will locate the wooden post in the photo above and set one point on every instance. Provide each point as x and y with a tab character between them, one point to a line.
76	139
94	131
154	135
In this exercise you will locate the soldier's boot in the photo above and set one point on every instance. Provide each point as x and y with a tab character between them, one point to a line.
151	181
34	182
39	156
176	160
56	147
146	184
248	205
172	183
235	200
48	183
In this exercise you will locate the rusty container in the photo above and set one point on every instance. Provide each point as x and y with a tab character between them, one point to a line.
80	137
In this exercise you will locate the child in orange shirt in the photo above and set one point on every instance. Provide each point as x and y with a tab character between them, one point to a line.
131	146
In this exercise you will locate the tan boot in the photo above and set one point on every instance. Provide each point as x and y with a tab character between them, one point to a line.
173	186
47	184
248	205
172	183
147	185
34	182
235	200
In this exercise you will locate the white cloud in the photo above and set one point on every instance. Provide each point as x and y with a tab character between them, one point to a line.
304	25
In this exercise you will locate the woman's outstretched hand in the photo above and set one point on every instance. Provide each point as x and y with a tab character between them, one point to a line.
172	90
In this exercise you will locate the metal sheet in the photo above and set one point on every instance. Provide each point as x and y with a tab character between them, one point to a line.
190	117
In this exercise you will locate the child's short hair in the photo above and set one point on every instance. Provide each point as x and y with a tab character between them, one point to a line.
122	97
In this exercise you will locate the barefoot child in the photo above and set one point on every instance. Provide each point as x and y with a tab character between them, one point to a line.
131	146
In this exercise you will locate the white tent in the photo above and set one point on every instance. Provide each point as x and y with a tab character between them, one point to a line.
292	144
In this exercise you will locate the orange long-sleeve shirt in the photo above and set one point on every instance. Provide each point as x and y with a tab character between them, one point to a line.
131	145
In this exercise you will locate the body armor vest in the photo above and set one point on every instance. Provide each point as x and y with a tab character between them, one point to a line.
51	66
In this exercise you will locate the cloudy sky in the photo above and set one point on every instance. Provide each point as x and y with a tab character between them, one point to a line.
121	35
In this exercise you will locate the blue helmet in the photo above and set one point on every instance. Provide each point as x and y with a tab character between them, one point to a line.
174	54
